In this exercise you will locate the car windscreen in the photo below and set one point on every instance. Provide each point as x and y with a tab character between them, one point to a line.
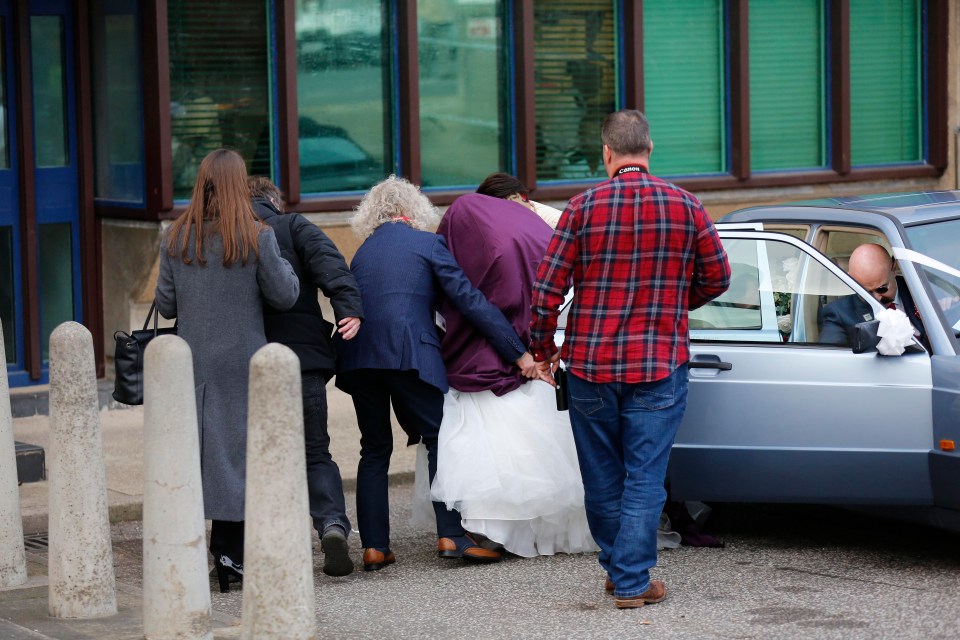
939	240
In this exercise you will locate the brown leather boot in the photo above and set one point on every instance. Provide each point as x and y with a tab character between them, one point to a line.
655	593
374	560
467	548
608	585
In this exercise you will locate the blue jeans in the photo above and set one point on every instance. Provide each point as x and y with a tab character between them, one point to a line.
324	484
623	434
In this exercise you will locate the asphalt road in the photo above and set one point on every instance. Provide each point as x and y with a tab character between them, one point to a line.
785	572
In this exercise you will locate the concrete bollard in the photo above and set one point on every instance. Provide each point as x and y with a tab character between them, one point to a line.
176	589
13	564
278	600
82	582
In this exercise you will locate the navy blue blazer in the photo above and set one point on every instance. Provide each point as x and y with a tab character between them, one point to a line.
402	274
838	318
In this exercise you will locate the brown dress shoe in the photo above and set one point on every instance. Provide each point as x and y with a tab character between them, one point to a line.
656	593
467	548
374	560
608	585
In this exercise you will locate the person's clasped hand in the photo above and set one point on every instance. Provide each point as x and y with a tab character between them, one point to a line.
546	368
528	367
348	327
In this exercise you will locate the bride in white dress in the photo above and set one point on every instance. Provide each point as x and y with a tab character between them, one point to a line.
506	457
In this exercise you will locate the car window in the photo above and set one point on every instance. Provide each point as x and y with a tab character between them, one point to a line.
939	241
776	295
797	231
837	243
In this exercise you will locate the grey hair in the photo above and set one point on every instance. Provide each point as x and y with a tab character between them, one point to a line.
626	133
394	198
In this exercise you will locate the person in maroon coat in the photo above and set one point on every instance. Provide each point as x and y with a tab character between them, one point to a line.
506	457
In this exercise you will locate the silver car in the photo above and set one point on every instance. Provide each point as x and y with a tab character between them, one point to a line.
776	416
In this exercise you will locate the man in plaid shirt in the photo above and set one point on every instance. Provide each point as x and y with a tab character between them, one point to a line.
640	253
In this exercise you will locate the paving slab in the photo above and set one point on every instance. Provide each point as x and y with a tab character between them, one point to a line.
122	433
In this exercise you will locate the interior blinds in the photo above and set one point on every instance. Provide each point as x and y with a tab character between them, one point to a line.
787	85
684	85
885	98
576	71
219	85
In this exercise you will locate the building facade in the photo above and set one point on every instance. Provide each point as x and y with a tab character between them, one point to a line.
109	106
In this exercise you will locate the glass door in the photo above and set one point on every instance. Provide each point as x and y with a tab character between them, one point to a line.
55	165
39	283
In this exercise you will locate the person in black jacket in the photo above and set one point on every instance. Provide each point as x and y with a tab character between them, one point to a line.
318	264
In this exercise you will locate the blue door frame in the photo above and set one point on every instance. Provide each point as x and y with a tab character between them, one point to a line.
9	195
56	186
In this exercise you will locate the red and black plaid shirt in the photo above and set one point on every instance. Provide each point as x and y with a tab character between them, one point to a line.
642	252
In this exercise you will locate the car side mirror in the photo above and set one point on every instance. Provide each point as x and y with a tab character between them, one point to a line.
864	338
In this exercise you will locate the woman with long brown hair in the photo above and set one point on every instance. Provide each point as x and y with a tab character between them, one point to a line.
218	263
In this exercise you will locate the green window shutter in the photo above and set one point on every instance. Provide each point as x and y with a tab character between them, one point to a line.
576	71
219	85
885	82
684	92
787	88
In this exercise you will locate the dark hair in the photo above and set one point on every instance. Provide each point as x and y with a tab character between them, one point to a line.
626	133
261	187
502	185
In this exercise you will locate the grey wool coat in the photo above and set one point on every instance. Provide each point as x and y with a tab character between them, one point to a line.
219	312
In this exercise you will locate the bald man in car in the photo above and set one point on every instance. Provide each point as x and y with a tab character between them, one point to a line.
873	268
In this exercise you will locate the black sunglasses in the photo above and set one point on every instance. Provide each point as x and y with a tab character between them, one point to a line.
880	290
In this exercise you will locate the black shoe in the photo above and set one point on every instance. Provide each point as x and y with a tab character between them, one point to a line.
227	572
336	560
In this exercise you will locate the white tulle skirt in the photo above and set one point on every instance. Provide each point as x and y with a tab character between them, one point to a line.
509	465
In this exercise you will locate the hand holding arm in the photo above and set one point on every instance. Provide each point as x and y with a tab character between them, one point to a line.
348	327
527	366
546	368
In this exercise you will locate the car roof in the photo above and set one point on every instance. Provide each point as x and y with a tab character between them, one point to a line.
906	208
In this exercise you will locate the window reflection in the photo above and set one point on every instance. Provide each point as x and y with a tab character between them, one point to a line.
576	84
343	95
118	115
56	280
49	93
462	99
219	85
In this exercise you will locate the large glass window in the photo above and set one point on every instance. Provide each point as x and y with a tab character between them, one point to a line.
49	92
118	112
885	98
576	71
684	86
219	85
463	91
787	88
343	94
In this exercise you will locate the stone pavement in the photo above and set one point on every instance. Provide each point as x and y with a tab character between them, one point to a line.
122	431
23	610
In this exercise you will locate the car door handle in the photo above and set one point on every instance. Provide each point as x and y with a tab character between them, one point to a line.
710	364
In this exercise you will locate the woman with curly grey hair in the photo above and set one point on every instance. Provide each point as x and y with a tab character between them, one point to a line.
402	269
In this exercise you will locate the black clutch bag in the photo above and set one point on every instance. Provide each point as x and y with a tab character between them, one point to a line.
560	377
128	358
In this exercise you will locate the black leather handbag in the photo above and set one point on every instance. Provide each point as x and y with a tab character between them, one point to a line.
128	358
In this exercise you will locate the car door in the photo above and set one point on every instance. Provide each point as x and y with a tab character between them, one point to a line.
775	416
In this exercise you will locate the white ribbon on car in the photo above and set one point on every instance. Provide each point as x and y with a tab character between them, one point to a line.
912	256
895	332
